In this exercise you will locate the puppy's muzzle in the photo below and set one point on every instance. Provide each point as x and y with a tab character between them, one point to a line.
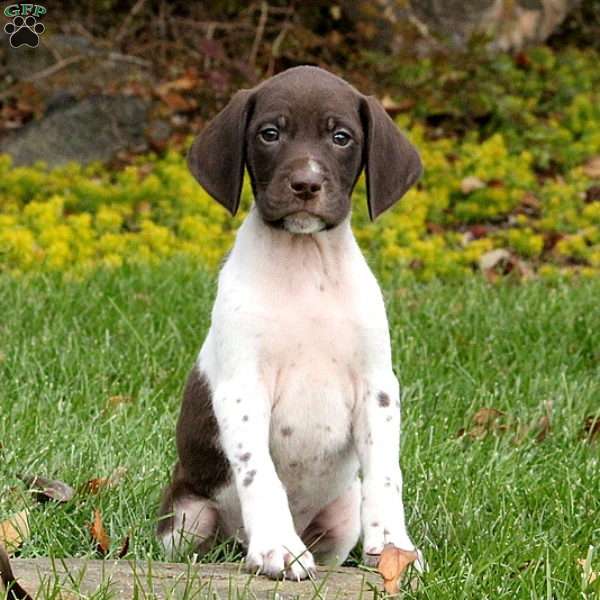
306	182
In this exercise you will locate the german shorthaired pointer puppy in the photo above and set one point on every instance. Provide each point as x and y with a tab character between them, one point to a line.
288	437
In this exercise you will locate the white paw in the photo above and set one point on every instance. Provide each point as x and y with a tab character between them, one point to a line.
281	559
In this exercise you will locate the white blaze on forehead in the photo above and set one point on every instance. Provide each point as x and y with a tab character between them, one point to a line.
313	165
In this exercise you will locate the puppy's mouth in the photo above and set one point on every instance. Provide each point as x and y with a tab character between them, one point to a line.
303	222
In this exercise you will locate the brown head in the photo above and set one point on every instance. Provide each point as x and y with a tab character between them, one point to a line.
305	135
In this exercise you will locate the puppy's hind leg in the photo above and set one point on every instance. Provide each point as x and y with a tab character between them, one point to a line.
187	522
333	533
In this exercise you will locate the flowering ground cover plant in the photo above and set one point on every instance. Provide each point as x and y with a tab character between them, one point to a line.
511	148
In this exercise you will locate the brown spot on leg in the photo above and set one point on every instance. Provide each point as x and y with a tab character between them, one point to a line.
249	478
286	431
383	399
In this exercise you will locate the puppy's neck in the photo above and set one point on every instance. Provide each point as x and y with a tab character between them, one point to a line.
274	252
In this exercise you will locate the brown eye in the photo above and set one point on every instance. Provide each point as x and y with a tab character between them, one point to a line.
341	138
269	135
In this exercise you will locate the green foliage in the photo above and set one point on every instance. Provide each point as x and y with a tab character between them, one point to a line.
506	144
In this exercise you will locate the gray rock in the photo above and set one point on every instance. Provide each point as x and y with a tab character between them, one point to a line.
95	128
129	579
509	24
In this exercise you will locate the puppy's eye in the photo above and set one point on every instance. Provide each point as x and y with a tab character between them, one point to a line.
341	138
269	134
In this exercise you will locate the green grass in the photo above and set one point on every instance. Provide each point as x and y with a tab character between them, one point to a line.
495	519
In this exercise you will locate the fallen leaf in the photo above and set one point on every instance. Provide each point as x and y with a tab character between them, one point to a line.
592	194
591	427
484	421
491	259
486	416
543	428
544	423
99	534
48	489
393	107
470	184
592	167
183	84
176	102
502	262
124	547
14	531
15	591
479	231
115	401
529	204
588	575
392	565
93	486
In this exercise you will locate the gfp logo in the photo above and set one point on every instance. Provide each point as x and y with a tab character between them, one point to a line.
24	29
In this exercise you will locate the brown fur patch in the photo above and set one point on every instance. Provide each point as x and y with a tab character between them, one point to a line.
202	468
383	399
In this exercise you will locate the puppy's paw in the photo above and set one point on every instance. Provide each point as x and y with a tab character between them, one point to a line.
281	559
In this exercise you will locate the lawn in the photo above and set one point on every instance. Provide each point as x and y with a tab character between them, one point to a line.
91	373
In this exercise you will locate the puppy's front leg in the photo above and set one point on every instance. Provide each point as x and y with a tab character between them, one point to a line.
242	410
377	437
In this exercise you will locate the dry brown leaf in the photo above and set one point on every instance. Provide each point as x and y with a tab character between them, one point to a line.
592	167
591	427
393	107
48	489
178	103
487	416
115	401
124	549
543	427
592	194
183	84
7	579
470	184
99	535
491	259
530	203
14	531
500	261
589	576
94	486
484	421
393	563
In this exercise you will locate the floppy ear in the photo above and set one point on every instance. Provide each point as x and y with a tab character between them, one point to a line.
216	158
392	164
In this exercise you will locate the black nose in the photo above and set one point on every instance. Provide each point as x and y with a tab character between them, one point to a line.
306	181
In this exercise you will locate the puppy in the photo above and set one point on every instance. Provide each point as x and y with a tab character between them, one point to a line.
288	436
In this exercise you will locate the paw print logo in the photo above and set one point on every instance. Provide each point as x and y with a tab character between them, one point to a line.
24	32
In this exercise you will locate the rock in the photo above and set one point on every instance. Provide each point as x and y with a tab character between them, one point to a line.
95	128
509	24
129	579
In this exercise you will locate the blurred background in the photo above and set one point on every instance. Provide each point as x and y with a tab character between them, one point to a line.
500	96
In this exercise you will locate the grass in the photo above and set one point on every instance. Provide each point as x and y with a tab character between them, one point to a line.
495	519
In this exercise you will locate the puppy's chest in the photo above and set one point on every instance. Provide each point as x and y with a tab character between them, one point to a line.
312	365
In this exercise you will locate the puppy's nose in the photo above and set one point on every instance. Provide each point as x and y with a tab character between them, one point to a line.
306	181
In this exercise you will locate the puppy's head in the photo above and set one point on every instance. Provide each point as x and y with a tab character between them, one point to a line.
305	135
